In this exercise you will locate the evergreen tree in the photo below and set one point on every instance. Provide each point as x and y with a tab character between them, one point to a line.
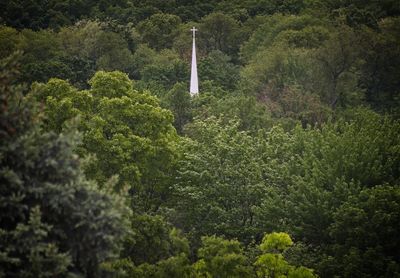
53	221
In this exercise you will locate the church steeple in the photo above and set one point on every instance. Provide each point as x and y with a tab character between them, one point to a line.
194	82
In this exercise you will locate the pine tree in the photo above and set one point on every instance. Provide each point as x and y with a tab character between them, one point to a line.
52	220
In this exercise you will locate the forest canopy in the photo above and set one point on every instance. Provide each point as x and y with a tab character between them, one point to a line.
286	164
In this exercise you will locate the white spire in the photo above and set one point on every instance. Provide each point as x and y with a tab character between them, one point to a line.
194	82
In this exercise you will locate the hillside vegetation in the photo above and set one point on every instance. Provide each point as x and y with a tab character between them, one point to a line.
287	164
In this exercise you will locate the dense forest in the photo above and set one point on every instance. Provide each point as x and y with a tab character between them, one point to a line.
287	163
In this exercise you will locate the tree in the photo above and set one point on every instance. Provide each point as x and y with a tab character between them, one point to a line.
337	62
218	31
219	181
10	41
322	168
380	52
53	220
365	233
165	70
97	42
354	13
294	31
217	67
126	130
274	69
221	258
39	14
42	56
142	57
159	30
152	240
153	248
252	114
271	263
30	250
178	100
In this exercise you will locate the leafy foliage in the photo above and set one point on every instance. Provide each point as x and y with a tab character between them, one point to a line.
126	130
53	221
272	263
295	129
158	31
219	180
221	258
358	235
152	240
179	102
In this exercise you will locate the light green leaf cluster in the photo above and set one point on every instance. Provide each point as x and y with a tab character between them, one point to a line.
221	258
272	264
276	242
127	133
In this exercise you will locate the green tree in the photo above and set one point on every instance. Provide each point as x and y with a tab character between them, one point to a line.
42	57
160	71
252	114
152	240
380	51
294	31
354	13
53	220
271	263
217	67
218	31
274	69
27	252
126	130
10	41
142	57
163	72
220	180
153	248
322	167
221	258
97	42
39	14
320	170
178	100
159	30
365	233
338	63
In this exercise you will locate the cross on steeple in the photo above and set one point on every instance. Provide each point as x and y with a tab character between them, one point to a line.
194	30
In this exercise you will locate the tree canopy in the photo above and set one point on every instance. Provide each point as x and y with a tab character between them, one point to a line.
287	163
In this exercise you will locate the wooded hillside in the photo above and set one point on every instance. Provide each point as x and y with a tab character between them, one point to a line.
287	164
